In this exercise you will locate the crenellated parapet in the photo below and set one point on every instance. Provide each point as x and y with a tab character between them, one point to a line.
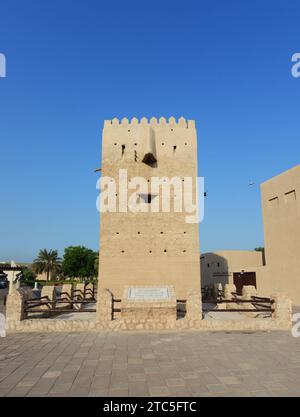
154	122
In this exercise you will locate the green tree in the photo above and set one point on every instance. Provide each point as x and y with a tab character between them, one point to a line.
28	275
47	261
79	261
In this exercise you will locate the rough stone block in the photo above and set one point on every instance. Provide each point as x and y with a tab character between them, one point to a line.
282	306
104	306
158	310
194	306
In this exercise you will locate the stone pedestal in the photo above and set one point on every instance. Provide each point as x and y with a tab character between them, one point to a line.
67	294
104	309
282	306
49	292
228	290
89	291
194	306
148	303
15	305
78	294
248	291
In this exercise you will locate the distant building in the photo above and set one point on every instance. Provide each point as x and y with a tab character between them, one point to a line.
12	271
230	267
280	198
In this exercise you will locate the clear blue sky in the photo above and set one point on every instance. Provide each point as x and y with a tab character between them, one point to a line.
72	64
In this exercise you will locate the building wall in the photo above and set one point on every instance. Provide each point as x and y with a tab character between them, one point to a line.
218	267
149	248
280	198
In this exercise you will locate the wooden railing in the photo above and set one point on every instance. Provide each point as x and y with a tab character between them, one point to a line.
260	305
77	298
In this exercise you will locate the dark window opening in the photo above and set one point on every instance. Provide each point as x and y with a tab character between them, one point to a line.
207	265
174	148
149	159
147	198
123	149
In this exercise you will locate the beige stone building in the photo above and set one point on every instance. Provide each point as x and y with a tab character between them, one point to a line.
280	198
231	267
148	248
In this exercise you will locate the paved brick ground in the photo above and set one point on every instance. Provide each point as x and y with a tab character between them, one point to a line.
143	364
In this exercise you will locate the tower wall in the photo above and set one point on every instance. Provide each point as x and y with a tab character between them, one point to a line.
149	248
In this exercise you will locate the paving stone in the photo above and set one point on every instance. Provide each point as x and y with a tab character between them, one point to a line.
175	382
52	374
159	391
216	388
229	380
138	389
137	377
60	388
142	364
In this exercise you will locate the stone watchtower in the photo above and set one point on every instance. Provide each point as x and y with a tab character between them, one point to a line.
149	248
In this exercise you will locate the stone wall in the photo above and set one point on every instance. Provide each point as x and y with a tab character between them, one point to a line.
16	319
147	247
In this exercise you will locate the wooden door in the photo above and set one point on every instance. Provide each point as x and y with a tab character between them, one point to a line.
241	279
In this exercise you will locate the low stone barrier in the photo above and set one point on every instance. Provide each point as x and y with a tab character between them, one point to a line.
16	318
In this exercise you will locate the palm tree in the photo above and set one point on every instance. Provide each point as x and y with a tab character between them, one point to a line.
47	261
